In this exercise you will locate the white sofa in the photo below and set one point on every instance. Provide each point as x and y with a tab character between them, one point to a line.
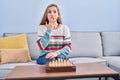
88	47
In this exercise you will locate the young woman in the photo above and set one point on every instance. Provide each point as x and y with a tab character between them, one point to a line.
54	38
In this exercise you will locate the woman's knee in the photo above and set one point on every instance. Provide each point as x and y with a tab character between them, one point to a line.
41	60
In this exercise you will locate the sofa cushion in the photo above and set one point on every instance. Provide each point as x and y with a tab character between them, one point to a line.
4	74
10	66
111	43
5	69
13	55
88	60
32	43
87	44
15	42
114	62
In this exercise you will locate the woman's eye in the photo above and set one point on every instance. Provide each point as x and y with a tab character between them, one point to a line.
49	11
54	11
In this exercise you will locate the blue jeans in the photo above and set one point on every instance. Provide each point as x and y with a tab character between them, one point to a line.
42	60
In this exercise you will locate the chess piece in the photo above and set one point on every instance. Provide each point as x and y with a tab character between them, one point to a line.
53	63
61	62
58	62
64	62
50	64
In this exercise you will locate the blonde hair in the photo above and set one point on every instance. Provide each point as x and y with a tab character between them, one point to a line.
45	19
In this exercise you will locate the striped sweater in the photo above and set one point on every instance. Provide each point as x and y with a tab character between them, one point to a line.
58	40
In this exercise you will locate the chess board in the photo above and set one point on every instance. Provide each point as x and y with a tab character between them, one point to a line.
60	65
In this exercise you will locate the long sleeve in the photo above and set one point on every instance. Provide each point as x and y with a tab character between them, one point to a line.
43	37
67	49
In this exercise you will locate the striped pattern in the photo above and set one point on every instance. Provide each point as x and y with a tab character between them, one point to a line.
40	45
54	41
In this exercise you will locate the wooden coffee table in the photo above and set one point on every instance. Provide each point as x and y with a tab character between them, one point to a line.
83	70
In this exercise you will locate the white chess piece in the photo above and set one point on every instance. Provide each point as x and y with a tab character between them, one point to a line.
58	62
50	64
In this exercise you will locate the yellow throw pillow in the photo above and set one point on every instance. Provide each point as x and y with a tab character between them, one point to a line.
13	55
15	42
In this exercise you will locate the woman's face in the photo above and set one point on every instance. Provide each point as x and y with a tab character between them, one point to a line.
52	14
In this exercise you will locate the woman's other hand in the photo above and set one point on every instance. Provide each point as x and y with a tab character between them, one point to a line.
51	55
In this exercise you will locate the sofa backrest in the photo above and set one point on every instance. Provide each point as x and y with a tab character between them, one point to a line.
87	44
84	44
111	43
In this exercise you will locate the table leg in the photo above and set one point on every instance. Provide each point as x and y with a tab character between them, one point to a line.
105	78
99	78
116	77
